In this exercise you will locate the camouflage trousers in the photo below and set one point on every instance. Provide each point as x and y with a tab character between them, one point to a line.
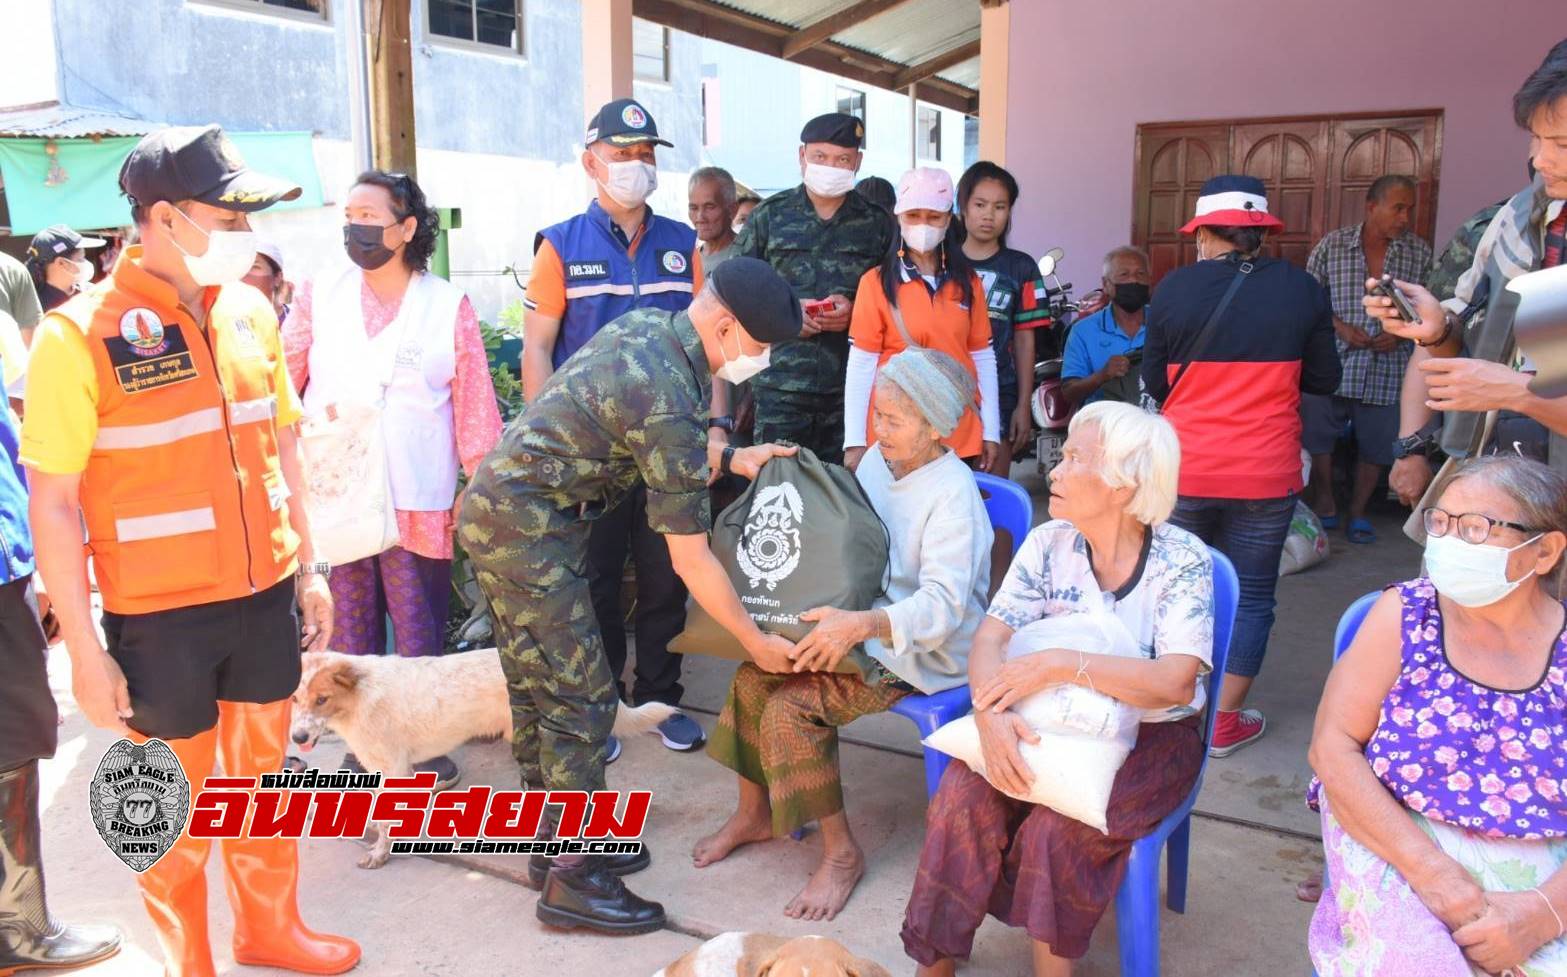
562	695
808	419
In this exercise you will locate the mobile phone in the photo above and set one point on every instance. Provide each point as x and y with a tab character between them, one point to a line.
1387	289
814	309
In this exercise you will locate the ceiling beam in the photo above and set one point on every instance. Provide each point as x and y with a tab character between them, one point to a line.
822	30
941	62
715	21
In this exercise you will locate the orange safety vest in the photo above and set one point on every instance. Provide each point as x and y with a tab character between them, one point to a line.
183	493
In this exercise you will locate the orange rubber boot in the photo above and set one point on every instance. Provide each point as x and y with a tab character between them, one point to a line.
262	874
174	890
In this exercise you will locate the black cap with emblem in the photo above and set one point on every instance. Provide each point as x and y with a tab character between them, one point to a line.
759	297
623	122
835	128
197	163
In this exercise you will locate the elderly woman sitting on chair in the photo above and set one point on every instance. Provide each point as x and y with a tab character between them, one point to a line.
1108	547
1439	747
779	731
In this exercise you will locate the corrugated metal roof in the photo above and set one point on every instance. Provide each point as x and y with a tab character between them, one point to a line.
917	31
906	32
55	121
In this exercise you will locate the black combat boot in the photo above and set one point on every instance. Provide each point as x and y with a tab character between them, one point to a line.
29	937
539	866
588	895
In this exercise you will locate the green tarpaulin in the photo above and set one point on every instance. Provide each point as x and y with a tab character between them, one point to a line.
90	196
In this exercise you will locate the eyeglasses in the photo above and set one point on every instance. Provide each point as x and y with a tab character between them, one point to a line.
1473	527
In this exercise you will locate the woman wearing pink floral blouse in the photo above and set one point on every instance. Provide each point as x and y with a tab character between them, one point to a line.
388	304
1441	748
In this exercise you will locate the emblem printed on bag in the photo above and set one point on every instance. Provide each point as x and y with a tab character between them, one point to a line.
140	801
769	549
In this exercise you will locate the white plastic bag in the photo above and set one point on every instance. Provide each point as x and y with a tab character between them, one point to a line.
1307	542
1084	736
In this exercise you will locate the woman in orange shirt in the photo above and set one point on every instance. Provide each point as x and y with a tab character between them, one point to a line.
927	282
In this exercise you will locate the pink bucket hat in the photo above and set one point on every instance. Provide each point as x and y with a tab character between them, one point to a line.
924	188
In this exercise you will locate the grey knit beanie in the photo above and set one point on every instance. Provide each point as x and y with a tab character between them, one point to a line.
937	383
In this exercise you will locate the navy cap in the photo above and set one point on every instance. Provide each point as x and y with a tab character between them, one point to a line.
623	122
763	302
59	241
835	128
198	163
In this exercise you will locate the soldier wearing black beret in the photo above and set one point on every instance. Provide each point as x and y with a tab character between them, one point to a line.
821	237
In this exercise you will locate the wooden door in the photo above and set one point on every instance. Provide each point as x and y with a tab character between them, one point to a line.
1171	168
1291	161
1316	170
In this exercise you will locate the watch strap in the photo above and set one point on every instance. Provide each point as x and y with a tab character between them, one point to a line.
725	460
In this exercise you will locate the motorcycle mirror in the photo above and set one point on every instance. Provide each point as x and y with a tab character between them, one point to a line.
1057	254
1047	266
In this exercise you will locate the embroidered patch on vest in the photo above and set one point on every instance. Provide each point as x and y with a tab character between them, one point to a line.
142	329
140	367
674	262
580	270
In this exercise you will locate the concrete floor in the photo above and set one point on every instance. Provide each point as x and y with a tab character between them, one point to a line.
1253	840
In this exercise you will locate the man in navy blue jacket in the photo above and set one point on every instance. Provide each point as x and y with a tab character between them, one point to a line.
588	271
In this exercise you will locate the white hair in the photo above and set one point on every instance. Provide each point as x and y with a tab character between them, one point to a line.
1141	452
1125	251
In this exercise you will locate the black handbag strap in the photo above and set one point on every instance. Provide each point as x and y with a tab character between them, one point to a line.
1205	336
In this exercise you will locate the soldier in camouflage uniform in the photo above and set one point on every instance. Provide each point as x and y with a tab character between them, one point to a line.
1460	254
629	408
821	237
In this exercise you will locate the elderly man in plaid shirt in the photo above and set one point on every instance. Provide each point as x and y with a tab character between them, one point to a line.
1374	360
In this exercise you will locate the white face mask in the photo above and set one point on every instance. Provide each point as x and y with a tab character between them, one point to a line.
1470	574
923	238
828	181
84	273
228	258
630	181
743	367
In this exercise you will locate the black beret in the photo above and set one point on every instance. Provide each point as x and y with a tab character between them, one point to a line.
835	128
763	302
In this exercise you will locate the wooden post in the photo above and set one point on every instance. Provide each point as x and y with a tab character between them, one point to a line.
995	36
606	53
389	55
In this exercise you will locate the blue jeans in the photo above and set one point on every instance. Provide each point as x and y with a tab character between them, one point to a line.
1251	533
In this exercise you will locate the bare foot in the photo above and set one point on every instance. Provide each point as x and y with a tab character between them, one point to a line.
1311	889
740	829
830	886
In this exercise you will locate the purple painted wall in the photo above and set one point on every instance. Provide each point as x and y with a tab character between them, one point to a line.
1084	74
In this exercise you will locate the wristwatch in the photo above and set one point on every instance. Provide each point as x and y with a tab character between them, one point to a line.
724	423
1415	444
320	569
727	459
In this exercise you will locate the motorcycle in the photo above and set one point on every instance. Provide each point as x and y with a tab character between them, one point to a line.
1050	407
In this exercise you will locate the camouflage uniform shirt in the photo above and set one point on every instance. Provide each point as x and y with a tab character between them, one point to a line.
817	258
631	406
1459	255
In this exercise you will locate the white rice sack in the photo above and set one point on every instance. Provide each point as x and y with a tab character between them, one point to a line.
1084	736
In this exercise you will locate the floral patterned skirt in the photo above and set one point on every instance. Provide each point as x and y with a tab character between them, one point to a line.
1370	923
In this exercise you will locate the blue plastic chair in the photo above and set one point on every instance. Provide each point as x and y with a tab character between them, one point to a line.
1009	507
1348	626
1137	901
1350	623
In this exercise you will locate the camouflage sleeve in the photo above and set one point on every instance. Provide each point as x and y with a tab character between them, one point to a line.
753	236
1458	256
671	452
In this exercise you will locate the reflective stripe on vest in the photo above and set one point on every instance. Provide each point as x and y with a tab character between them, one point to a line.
610	282
130	436
165	524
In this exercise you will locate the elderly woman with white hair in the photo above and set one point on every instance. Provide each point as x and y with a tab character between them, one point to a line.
1107	548
778	732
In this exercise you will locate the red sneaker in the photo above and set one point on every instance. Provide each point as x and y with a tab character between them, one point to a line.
1234	730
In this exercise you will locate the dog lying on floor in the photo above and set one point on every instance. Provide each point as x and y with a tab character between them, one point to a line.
762	955
395	712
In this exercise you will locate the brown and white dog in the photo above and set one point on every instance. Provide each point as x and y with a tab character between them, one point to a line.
395	712
763	955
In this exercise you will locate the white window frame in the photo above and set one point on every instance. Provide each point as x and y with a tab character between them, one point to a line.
481	47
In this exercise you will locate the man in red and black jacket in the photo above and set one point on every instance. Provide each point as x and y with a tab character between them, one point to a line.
1233	394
